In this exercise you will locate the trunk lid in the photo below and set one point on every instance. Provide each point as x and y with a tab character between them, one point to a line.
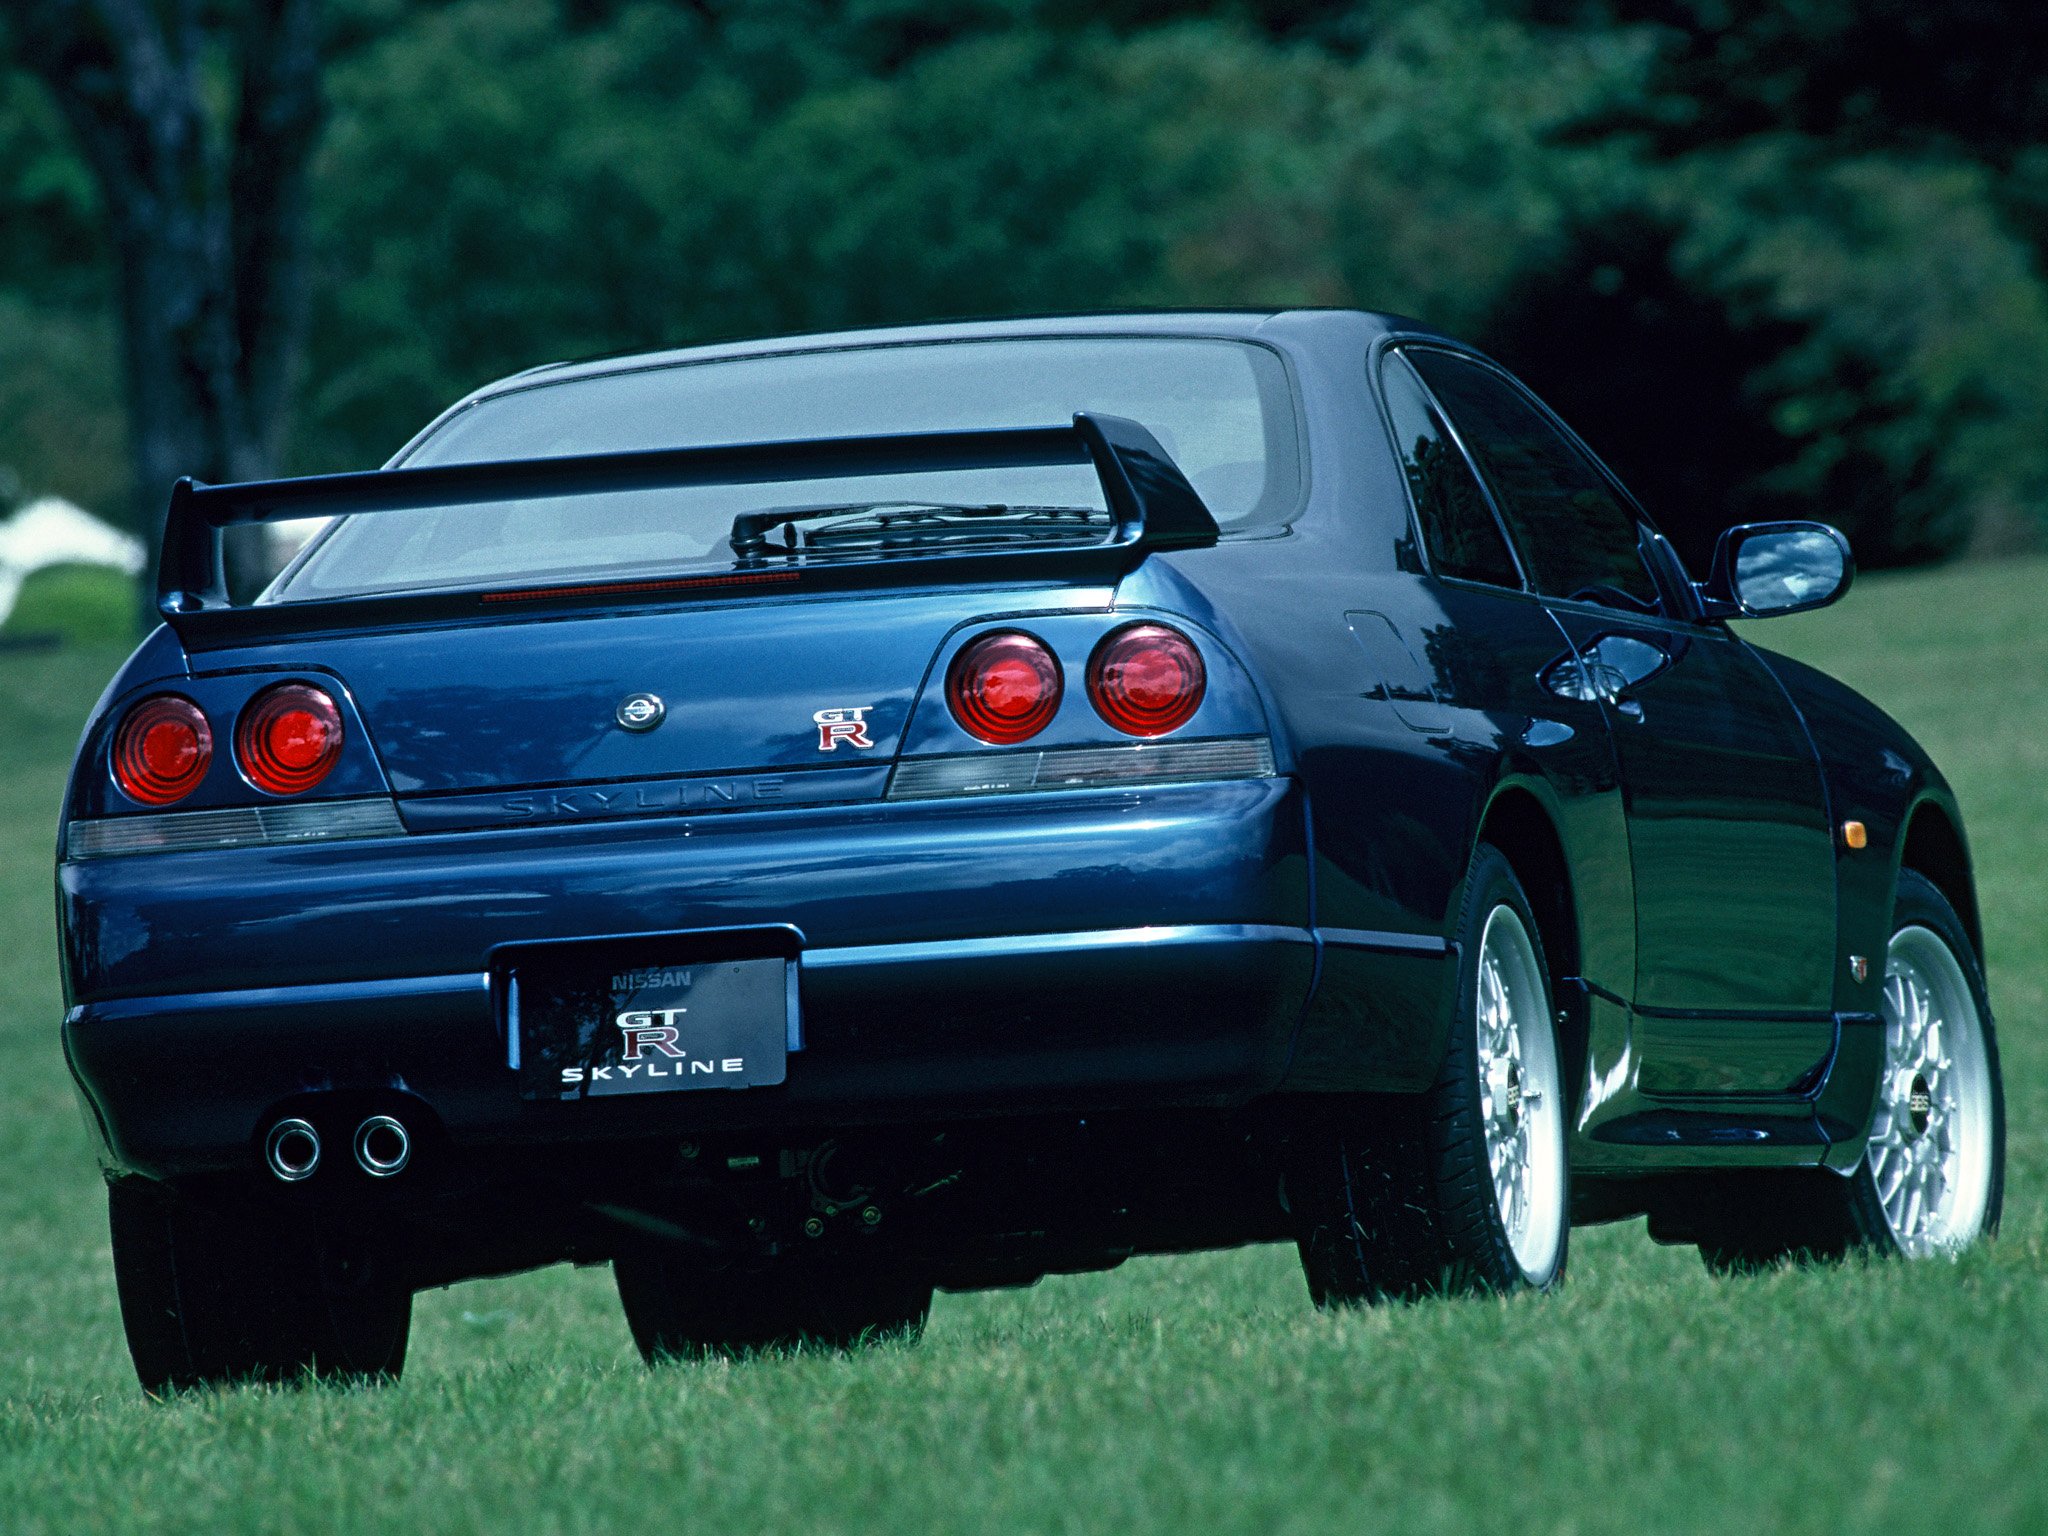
536	704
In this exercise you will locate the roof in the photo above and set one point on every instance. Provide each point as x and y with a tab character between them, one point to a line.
1247	323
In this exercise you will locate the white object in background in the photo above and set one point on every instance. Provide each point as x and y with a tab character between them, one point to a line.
51	531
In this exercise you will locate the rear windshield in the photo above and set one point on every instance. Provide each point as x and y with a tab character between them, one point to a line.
1222	409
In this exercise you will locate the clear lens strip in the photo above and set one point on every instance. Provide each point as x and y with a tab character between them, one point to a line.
241	826
977	773
1008	773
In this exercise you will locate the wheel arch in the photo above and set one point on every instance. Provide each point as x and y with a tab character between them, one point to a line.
1932	846
1517	822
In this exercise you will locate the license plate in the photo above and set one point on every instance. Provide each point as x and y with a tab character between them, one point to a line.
647	1019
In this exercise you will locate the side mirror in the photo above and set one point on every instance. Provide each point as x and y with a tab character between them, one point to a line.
1765	569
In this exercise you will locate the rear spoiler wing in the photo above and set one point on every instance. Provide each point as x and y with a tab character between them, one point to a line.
1151	503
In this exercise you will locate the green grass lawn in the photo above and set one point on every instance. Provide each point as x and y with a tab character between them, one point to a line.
1190	1395
87	605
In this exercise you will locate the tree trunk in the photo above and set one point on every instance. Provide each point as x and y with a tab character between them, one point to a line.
207	211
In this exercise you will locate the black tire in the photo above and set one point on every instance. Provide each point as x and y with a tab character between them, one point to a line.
680	1307
212	1295
1753	1221
1393	1195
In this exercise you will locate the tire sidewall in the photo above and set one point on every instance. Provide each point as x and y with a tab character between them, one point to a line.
219	1291
1918	902
1492	883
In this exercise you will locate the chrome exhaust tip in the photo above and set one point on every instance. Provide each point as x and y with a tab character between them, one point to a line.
383	1147
292	1150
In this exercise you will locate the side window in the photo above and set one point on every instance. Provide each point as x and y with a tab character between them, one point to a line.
1457	525
1576	538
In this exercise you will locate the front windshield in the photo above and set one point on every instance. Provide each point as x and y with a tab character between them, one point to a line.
1222	409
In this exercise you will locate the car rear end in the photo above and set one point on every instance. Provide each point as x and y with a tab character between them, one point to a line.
465	863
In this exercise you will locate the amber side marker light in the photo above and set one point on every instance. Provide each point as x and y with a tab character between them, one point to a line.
162	750
288	738
1854	834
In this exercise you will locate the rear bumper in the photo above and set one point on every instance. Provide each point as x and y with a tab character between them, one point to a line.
1039	953
1183	1015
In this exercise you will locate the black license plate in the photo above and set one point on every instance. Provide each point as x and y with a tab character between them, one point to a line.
588	1022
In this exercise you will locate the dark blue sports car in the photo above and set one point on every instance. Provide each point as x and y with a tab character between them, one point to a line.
809	822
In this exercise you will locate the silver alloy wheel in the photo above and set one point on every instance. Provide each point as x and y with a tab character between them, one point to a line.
1520	1102
1930	1143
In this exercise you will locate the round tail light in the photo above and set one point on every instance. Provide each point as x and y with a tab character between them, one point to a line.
1004	688
162	750
288	738
1146	679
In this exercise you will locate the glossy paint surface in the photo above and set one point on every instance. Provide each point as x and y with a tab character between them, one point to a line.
1182	944
427	905
1733	865
1728	824
938	942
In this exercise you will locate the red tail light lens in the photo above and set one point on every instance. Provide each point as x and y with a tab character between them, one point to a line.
288	739
1146	679
162	750
1004	688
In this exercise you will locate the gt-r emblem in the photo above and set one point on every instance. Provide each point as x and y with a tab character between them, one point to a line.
642	1033
641	711
847	725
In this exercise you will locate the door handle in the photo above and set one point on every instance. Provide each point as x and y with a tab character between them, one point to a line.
1606	671
1617	665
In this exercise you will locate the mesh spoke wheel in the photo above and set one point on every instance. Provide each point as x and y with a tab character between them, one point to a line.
1930	1143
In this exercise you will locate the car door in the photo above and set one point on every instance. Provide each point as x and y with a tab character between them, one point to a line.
1729	837
1435	684
1483	643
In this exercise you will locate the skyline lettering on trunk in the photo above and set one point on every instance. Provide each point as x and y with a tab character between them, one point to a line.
642	798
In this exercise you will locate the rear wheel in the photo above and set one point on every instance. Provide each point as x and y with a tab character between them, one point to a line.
212	1294
1463	1187
678	1306
1933	1178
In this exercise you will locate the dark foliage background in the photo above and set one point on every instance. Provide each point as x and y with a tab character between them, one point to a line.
1769	258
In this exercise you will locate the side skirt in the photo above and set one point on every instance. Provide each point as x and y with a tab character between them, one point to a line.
1671	1093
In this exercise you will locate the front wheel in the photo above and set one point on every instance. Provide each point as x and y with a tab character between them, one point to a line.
1933	1178
1936	1164
1463	1187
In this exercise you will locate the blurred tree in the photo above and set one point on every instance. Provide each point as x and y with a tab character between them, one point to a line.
1857	202
1770	258
1421	176
60	398
638	179
1654	369
627	187
1868	75
51	248
1914	402
205	207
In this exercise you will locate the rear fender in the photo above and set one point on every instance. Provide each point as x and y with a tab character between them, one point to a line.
1161	583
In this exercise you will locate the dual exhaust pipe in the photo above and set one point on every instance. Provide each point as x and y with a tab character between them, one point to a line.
383	1146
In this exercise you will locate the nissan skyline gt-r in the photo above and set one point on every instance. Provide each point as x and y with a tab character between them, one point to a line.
813	821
